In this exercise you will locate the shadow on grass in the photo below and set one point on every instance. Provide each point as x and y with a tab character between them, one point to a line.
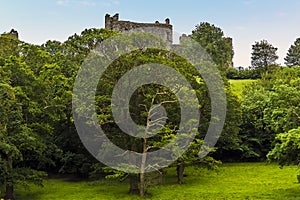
36	195
67	177
289	193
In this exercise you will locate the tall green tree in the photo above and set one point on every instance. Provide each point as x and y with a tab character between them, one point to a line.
141	103
293	55
9	46
228	147
58	77
27	123
19	142
220	49
212	39
255	135
263	55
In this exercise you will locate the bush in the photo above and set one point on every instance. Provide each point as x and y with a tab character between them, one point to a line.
287	148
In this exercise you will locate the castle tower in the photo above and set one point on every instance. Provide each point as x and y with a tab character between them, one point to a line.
14	33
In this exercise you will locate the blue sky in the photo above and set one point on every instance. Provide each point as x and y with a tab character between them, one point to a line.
246	21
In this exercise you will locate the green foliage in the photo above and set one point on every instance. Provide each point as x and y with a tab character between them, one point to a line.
228	145
287	148
75	163
269	107
241	73
263	55
255	135
293	56
9	46
238	86
16	138
57	78
36	89
144	98
212	39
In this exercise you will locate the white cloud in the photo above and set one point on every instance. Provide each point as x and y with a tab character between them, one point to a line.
75	3
116	2
248	2
62	2
282	14
240	28
87	3
111	3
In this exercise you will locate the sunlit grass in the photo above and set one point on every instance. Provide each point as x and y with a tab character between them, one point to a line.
231	181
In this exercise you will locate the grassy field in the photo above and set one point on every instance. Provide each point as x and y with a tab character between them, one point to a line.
231	181
238	86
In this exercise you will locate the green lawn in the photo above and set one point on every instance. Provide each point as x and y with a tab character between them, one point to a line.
237	86
231	181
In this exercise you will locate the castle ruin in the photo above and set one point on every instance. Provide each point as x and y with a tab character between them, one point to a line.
163	30
13	33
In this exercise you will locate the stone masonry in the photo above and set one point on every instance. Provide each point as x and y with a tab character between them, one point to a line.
163	30
13	33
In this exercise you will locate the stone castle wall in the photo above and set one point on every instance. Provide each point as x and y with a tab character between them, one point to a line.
13	33
163	30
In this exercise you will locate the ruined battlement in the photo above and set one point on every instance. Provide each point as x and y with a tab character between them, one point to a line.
163	30
13	33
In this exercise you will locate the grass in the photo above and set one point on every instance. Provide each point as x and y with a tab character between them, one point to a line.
238	86
231	181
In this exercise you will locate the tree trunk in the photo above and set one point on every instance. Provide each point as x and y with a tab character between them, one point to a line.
9	192
180	170
142	182
133	182
142	175
133	178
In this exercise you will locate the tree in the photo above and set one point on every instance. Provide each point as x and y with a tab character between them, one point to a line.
287	148
220	49
58	76
29	84
256	137
140	106
241	73
269	107
17	138
263	55
9	46
142	103
293	56
228	147
212	39
284	117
